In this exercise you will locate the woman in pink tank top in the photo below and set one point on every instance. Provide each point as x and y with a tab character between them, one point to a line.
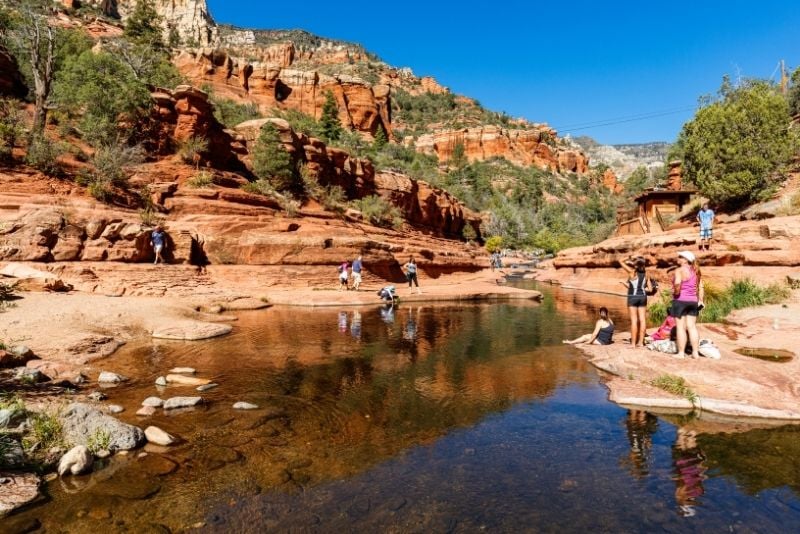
687	291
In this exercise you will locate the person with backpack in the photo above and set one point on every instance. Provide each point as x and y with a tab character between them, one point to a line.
639	286
343	275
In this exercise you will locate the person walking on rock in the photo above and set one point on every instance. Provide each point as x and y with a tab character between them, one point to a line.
343	276
411	273
158	240
706	219
687	289
356	272
639	286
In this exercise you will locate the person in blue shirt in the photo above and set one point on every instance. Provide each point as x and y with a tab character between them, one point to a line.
706	219
159	240
355	270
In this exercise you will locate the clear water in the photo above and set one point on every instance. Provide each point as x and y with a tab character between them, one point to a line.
422	419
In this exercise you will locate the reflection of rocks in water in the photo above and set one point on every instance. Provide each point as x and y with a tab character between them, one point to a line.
639	428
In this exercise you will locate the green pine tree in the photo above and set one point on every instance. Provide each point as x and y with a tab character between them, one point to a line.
331	126
380	138
271	161
144	23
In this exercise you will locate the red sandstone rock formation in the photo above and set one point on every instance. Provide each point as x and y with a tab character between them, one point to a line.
523	147
609	181
675	176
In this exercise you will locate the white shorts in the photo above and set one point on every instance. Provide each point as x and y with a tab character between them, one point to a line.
158	248
356	278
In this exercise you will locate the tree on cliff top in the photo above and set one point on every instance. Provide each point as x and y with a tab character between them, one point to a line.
736	148
144	24
794	93
331	126
271	161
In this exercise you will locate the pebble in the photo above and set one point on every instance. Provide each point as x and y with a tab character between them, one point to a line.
245	406
97	396
161	381
183	370
146	411
107	377
182	402
102	453
158	436
206	387
115	408
153	401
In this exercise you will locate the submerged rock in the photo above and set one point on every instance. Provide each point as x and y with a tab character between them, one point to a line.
245	406
183	370
192	331
78	460
206	387
146	411
80	422
182	402
17	490
107	377
187	380
161	381
155	402
158	436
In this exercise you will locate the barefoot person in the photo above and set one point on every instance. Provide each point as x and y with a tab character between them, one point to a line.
639	286
687	291
343	276
158	240
355	272
411	273
706	219
603	332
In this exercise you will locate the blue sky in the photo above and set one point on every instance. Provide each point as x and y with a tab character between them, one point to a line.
565	63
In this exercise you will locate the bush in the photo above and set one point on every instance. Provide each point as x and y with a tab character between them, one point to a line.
230	113
109	168
271	161
379	212
46	432
675	385
201	179
469	233
333	199
494	243
794	93
736	148
11	128
192	149
43	155
260	187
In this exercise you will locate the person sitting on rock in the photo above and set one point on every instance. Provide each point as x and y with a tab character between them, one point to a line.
158	239
603	332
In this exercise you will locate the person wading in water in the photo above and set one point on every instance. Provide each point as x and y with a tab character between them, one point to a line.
639	286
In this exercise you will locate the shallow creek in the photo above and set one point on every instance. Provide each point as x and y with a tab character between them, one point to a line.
418	419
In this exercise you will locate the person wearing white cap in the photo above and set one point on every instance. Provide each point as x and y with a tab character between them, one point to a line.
687	302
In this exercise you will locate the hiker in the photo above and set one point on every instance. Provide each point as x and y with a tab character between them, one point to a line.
706	219
356	272
639	286
603	332
343	276
411	273
158	240
687	289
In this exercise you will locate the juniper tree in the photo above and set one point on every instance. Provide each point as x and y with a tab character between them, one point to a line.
331	125
271	161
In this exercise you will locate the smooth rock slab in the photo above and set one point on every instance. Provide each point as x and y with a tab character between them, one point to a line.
187	380
107	377
158	436
81	421
182	402
192	331
155	402
17	490
183	370
206	387
245	406
146	411
78	460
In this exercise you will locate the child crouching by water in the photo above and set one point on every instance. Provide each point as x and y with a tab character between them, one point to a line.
602	335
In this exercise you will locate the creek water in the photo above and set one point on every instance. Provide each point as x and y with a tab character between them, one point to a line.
424	418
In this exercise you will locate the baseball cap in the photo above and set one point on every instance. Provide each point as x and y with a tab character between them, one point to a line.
687	255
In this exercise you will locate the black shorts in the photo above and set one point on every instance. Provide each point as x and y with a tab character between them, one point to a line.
637	301
682	308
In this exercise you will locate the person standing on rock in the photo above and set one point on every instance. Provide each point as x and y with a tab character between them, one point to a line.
639	286
411	273
706	219
158	240
343	276
687	289
356	272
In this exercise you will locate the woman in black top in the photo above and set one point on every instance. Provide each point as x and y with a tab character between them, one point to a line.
603	332
637	284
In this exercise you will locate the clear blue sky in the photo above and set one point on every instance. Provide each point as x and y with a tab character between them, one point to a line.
567	64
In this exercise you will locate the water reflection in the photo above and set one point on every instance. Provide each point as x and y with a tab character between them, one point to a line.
689	471
639	428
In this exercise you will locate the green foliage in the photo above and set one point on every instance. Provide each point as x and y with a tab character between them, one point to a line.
103	91
43	155
191	150
675	385
11	128
379	212
380	139
638	181
735	148
10	401
109	168
144	23
46	432
459	159
230	113
100	440
201	179
260	187
303	123
719	303
494	243
333	198
794	93
329	120
271	161
8	292
469	233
